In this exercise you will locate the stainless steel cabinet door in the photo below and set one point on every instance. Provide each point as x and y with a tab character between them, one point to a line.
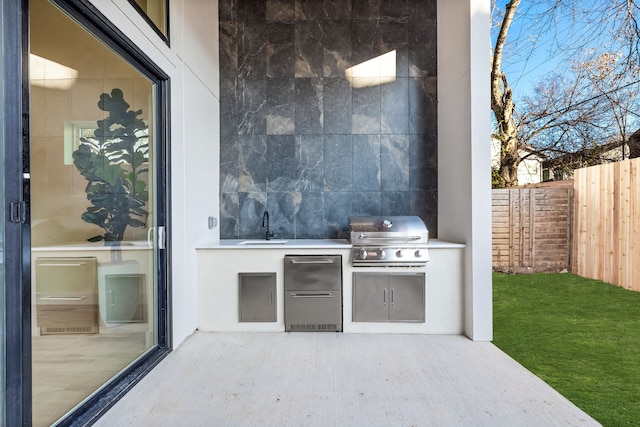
257	297
388	297
370	297
407	297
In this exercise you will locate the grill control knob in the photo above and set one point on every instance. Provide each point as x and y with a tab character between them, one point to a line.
387	223
399	254
418	253
362	254
381	254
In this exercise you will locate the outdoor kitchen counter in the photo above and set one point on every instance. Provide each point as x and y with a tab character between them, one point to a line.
307	244
219	264
288	244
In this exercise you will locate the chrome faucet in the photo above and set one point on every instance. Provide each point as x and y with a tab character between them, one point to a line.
265	223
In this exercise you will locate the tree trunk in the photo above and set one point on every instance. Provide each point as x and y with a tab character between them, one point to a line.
503	106
508	137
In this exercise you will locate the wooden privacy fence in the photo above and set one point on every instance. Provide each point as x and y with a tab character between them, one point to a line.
607	223
532	229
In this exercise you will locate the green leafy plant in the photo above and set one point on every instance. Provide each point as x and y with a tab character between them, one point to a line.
114	161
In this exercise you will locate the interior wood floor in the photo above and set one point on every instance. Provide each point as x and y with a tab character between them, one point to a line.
335	379
68	368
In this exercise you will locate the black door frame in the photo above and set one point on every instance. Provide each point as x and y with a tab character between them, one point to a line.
15	84
16	255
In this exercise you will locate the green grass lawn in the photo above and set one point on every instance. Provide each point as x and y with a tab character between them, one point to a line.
581	336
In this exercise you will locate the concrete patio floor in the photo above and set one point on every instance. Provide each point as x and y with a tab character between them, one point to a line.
334	379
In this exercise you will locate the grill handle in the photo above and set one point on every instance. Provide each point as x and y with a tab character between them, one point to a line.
390	239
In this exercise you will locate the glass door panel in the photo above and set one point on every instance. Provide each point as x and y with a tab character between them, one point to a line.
93	213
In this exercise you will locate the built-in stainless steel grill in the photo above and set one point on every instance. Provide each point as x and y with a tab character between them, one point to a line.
388	241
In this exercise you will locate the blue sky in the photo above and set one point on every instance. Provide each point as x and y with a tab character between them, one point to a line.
535	37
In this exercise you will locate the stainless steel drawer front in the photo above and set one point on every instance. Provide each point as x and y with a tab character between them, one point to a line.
313	293
313	273
313	311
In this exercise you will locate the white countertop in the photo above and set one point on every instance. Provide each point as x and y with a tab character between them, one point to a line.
235	244
305	244
278	244
443	244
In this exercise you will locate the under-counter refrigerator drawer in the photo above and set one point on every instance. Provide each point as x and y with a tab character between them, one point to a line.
313	293
313	311
313	272
67	295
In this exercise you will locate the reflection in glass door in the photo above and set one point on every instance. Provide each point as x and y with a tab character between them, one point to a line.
94	213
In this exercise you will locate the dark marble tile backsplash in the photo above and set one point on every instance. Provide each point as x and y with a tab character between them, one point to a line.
312	141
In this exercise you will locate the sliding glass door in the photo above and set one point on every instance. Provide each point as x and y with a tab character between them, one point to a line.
98	215
83	233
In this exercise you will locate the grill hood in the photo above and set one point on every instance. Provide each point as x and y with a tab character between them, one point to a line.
387	229
389	241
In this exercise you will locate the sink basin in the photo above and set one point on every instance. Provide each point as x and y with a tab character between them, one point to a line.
263	242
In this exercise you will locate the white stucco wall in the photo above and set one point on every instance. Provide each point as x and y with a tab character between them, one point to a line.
191	61
464	150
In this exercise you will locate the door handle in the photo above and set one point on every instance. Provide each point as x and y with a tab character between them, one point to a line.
161	237
159	233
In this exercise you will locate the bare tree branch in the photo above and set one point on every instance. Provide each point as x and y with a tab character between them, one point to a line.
593	103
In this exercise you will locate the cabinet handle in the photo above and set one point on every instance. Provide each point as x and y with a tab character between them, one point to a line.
312	261
62	298
316	295
65	264
393	296
384	297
